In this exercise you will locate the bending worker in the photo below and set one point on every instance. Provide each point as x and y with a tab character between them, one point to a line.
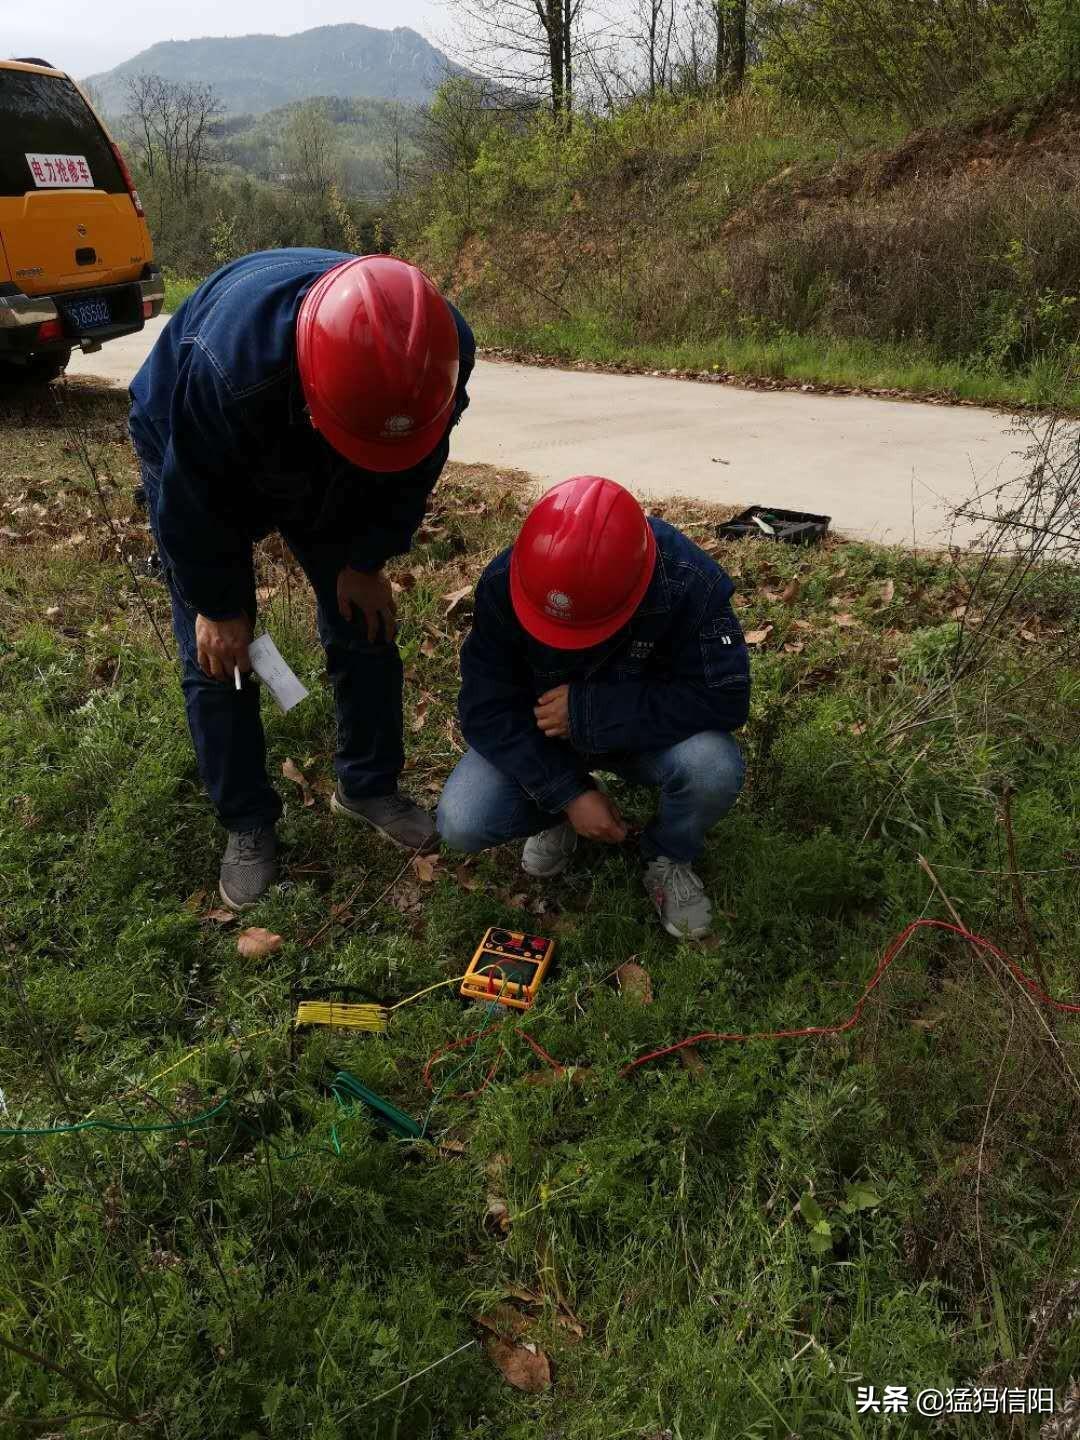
312	393
601	639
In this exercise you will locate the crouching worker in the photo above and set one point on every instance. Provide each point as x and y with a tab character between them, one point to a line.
601	639
311	393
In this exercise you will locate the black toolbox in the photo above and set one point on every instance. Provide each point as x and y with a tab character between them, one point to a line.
793	527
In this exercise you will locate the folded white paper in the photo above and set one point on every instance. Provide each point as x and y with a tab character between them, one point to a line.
272	671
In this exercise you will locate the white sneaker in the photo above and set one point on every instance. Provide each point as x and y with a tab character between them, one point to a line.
679	896
548	854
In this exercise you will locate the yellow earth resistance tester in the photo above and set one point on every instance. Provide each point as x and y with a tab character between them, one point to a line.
507	968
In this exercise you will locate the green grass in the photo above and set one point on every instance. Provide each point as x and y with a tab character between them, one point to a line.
177	290
247	1281
806	359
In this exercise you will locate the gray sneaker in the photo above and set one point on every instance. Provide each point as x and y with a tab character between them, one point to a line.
679	897
548	854
397	817
248	867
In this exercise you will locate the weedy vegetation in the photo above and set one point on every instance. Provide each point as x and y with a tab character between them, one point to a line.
720	1246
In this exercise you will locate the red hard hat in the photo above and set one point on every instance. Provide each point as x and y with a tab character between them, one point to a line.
378	354
582	563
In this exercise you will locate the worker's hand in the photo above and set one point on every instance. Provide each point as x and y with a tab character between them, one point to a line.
222	644
371	594
553	713
596	817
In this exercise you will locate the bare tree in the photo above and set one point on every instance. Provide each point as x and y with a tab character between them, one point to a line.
731	19
528	46
168	123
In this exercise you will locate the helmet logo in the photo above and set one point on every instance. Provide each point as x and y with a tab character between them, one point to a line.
559	604
398	424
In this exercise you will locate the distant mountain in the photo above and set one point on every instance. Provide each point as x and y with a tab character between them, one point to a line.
256	73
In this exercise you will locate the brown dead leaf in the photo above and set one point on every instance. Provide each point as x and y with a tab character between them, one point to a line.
52	612
858	728
758	637
451	1147
846	621
691	1059
454	598
265	593
771	595
634	982
958	612
419	715
424	867
466	879
526	1367
505	1321
428	647
292	771
803	624
1029	636
888	590
790	592
255	942
405	581
794	647
221	916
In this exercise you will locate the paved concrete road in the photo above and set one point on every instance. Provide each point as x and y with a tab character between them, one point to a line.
884	470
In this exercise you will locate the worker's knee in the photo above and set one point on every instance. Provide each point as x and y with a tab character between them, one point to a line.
480	807
458	821
707	769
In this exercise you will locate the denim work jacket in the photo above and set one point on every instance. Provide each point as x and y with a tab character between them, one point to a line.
218	413
679	667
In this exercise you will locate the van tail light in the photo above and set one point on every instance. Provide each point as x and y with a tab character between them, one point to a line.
128	181
148	309
50	330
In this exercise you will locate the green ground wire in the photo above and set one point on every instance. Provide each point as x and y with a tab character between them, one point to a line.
342	1085
124	1127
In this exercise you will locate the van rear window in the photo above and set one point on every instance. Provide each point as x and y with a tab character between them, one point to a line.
44	115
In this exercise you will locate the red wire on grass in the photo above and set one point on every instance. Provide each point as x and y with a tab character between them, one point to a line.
979	941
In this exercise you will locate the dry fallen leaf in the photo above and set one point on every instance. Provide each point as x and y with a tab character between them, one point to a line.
804	624
52	611
794	647
221	916
845	621
424	867
691	1060
859	728
454	598
758	637
428	648
526	1367
466	879
1028	636
634	982
292	771
419	715
790	592
888	590
504	1320
256	942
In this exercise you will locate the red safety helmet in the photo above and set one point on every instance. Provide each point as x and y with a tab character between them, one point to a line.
582	563
378	354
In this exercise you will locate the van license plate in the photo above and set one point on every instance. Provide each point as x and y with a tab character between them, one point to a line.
88	314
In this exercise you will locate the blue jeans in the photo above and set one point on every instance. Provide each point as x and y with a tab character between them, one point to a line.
226	728
699	781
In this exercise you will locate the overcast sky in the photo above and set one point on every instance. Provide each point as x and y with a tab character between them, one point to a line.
84	38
